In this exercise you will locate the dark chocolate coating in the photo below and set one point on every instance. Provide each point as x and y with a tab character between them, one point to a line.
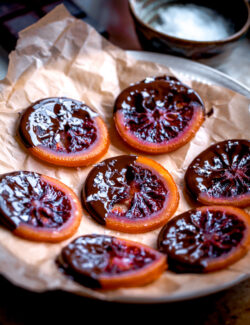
90	257
105	185
195	237
222	170
118	179
26	198
59	124
159	110
162	77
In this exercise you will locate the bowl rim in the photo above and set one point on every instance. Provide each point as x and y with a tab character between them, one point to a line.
226	40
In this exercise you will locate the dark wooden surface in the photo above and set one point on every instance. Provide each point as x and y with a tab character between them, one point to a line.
21	307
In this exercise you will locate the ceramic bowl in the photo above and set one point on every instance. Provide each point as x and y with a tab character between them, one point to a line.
235	11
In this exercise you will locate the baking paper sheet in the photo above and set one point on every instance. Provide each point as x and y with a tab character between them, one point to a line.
62	56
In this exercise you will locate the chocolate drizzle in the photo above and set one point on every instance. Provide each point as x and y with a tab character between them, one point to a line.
59	124
210	112
120	187
157	78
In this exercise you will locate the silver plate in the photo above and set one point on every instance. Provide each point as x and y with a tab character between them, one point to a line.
207	75
193	70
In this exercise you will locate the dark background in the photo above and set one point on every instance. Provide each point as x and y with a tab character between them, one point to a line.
110	17
20	307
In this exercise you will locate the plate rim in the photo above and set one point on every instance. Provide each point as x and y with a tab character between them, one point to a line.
235	86
180	298
230	82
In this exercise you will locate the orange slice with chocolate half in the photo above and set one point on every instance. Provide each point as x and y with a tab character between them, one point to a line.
130	194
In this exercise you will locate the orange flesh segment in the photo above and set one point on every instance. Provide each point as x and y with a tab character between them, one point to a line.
148	224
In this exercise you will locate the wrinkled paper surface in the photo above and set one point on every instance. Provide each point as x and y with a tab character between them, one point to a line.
63	56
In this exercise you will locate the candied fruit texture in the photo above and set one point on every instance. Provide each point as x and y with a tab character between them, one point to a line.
143	195
130	194
107	262
38	207
158	116
205	239
221	174
64	131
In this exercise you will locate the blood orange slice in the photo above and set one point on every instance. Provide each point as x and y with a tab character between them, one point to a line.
205	239
64	132
221	174
38	207
109	263
130	194
158	115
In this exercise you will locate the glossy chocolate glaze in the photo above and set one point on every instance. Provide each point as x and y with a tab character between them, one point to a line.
159	110
120	180
210	112
59	124
26	198
162	77
194	238
90	257
222	170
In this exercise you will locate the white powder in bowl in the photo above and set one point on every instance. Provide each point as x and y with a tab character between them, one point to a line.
191	22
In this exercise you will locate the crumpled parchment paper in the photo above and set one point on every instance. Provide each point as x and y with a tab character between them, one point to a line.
62	56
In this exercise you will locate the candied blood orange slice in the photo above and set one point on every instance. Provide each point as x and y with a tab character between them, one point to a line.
158	116
130	194
38	207
64	132
205	239
221	174
109	262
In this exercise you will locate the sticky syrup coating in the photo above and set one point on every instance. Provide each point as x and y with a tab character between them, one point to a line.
221	174
120	180
197	238
27	198
157	111
61	124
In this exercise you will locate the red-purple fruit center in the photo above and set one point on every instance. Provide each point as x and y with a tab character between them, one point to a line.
26	198
158	114
61	124
225	171
103	255
199	236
